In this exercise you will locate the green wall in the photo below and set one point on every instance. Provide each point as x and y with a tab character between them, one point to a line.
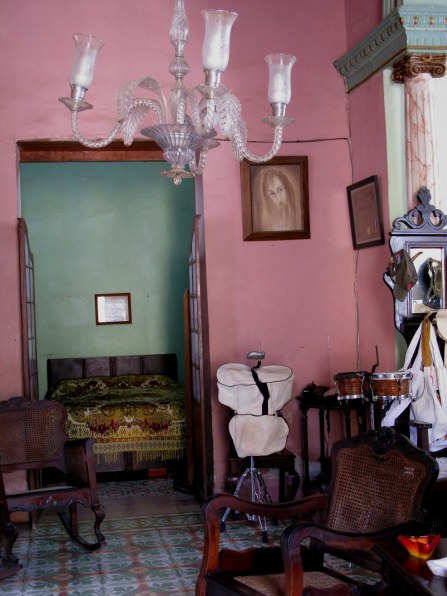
105	228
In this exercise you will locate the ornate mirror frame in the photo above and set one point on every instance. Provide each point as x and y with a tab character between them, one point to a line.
422	233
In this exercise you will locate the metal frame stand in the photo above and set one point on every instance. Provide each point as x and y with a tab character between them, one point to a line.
259	494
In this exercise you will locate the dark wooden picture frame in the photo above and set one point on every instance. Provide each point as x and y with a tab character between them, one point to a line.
113	309
365	213
275	199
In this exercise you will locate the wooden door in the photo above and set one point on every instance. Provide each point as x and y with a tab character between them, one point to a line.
200	402
28	313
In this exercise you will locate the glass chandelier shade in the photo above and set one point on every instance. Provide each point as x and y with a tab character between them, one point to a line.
216	44
194	113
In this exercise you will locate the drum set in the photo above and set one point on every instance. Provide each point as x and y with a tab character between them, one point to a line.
379	389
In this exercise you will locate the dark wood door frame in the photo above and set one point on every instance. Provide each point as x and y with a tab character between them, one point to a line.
55	151
66	151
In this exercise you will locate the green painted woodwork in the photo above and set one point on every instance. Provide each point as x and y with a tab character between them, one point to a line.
105	228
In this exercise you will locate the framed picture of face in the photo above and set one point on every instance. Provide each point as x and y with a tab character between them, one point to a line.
275	199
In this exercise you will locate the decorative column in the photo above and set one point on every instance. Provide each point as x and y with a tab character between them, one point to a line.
416	72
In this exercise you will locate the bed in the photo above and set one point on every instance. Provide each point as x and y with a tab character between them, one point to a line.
132	405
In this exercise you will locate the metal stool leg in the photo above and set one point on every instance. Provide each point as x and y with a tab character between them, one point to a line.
236	494
259	494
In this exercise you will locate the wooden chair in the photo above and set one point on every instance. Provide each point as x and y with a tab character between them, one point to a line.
10	564
377	488
32	439
249	571
435	500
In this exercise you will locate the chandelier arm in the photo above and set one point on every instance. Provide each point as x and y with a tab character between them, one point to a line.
92	144
151	104
135	115
125	100
243	153
197	168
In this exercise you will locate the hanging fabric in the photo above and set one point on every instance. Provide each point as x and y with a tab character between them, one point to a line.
429	386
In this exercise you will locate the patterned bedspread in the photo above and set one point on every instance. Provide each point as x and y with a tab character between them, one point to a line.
140	413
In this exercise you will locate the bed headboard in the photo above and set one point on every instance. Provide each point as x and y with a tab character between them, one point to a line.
59	369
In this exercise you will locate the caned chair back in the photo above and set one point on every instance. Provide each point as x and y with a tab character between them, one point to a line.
32	434
378	481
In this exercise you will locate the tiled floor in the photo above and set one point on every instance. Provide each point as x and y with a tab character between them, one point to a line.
153	547
160	500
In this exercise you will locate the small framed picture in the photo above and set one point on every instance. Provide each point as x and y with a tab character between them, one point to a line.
365	213
112	309
275	199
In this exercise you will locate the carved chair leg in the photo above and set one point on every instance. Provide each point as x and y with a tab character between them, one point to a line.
100	514
9	561
74	525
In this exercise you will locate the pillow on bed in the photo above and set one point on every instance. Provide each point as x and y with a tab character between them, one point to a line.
101	385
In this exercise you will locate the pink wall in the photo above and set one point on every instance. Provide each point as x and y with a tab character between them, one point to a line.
296	297
361	17
366	108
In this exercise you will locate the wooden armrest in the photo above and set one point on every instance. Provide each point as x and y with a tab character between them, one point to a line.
420	424
355	548
294	534
211	561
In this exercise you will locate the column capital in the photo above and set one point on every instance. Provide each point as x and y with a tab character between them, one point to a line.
412	65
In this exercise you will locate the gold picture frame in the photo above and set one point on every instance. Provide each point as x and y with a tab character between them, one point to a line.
275	199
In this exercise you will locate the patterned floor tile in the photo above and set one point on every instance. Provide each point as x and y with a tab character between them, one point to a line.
145	555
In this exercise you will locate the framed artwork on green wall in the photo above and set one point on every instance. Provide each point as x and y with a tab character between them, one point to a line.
112	309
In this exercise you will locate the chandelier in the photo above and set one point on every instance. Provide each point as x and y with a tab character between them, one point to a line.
195	113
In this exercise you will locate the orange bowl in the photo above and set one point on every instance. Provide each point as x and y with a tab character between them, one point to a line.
421	547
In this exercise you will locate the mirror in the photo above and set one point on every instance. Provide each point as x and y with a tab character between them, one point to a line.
422	233
429	288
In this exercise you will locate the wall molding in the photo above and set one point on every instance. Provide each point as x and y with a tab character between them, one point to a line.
407	30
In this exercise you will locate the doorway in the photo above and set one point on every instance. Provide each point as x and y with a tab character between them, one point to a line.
65	153
106	228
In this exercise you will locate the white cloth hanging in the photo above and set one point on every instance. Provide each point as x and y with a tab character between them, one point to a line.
429	386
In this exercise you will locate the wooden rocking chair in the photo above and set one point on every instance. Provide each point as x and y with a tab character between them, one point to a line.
32	438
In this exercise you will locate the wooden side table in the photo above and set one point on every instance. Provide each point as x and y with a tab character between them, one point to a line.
325	404
409	575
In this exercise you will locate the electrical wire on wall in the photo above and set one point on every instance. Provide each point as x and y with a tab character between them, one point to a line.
356	255
357	316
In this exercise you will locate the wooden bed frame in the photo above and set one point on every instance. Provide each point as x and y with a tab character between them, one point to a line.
59	369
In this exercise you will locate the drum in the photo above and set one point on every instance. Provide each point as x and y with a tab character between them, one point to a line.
391	385
351	385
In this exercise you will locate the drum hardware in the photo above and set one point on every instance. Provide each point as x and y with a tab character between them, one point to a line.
357	385
391	385
387	387
371	403
351	385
